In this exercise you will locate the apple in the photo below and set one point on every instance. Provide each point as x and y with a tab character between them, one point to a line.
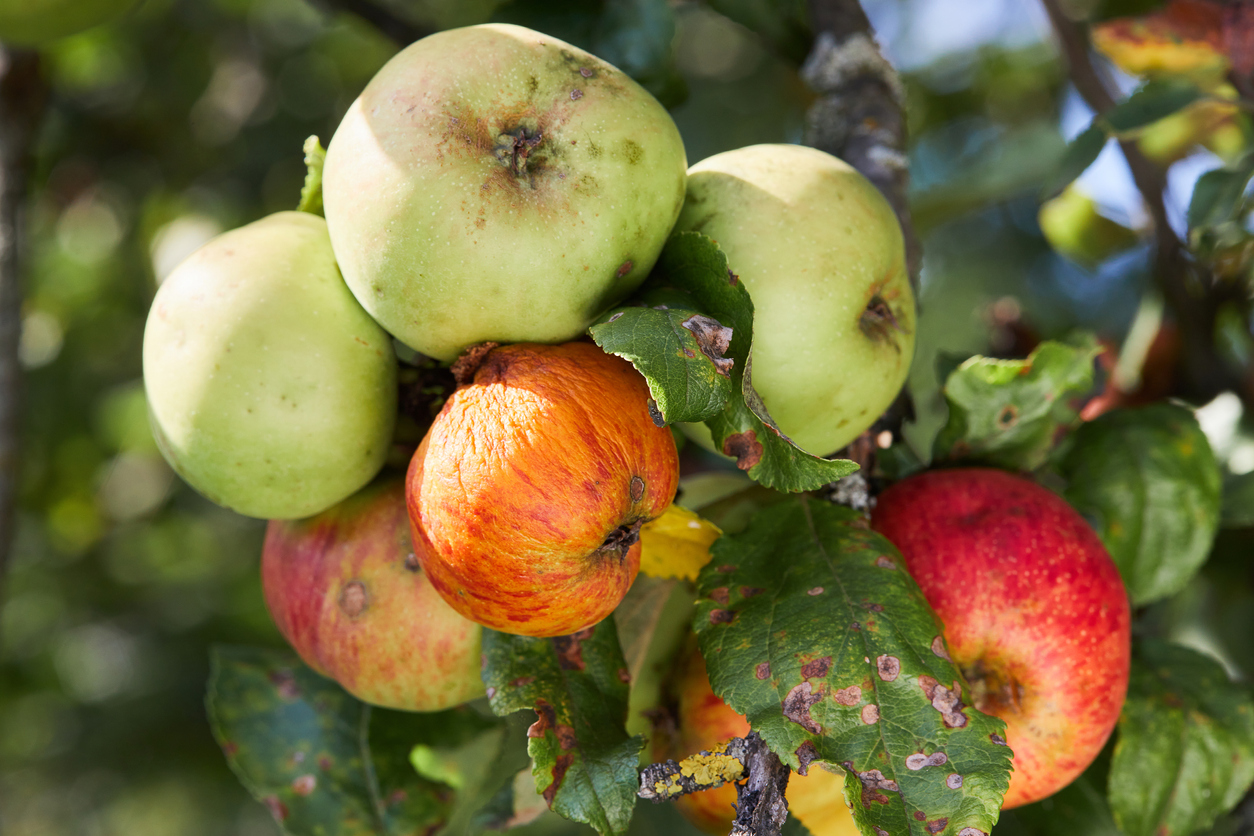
702	722
269	389
528	492
37	22
1035	612
495	183
822	256
346	592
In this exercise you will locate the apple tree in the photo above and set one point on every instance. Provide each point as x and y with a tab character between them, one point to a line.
1056	641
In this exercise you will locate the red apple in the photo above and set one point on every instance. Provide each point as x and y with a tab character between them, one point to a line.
346	592
1035	612
528	492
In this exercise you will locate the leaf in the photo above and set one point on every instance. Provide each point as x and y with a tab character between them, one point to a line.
311	191
1149	483
1006	412
1079	155
676	544
784	24
1238	507
585	763
1184	38
652	621
691	262
1218	193
322	761
1078	809
1155	100
680	353
1185	753
811	628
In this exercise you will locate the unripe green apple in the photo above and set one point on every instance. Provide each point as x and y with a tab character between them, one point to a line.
822	256
494	183
269	388
36	22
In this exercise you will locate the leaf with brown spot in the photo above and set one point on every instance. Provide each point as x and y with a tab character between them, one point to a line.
853	694
584	760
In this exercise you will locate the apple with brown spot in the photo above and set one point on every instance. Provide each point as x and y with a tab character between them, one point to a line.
1035	612
347	593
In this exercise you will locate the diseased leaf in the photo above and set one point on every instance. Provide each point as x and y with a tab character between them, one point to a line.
1149	483
585	763
1185	752
1183	38
1079	155
679	351
1218	193
322	761
1006	412
676	544
811	628
1155	100
311	191
691	262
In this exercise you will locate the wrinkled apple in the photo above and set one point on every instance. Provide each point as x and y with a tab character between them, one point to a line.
1035	612
822	256
346	591
528	492
269	388
494	183
37	22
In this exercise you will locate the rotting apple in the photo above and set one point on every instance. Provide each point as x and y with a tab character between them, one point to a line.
346	591
495	183
528	492
37	22
702	722
822	256
1035	612
269	388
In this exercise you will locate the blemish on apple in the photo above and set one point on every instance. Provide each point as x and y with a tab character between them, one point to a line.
636	489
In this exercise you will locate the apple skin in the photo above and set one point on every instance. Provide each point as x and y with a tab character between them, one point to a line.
1035	612
528	492
450	235
270	390
815	243
344	589
703	721
37	22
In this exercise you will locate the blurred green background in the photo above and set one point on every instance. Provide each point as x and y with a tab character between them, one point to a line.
186	118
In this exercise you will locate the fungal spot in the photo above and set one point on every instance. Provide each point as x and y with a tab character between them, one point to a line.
997	738
353	600
623	269
732	278
797	706
721	595
855	626
879	831
411	562
919	760
763	670
750	591
614	316
284	683
971	831
713	338
885	563
873	781
522	681
936	825
817	668
888	666
938	647
560	766
566	737
277	808
744	448
919	815
806	754
491	692
636	489
722	616
1008	416
726	568
948	701
870	714
586	72
873	607
818	590
304	784
546	718
576	95
954	781
656	414
633	152
569	649
624	675
848	696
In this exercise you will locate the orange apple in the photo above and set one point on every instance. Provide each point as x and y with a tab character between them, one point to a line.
528	492
348	595
1035	612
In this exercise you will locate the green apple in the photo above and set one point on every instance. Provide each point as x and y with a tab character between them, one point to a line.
270	390
822	256
36	22
494	183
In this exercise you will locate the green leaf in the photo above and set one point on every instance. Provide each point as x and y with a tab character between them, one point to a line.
311	192
1185	753
1006	412
585	762
693	263
1238	509
1078	809
1079	155
322	761
680	353
652	621
1149	483
1155	100
1218	193
784	24
811	628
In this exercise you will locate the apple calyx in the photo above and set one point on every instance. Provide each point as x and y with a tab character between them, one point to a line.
513	148
621	539
993	691
878	320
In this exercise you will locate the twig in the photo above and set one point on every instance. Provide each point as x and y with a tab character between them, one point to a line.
22	94
761	808
1193	306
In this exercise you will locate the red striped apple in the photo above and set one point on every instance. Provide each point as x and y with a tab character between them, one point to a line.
1035	612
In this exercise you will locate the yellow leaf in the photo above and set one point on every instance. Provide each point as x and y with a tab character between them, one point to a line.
1184	38
676	544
